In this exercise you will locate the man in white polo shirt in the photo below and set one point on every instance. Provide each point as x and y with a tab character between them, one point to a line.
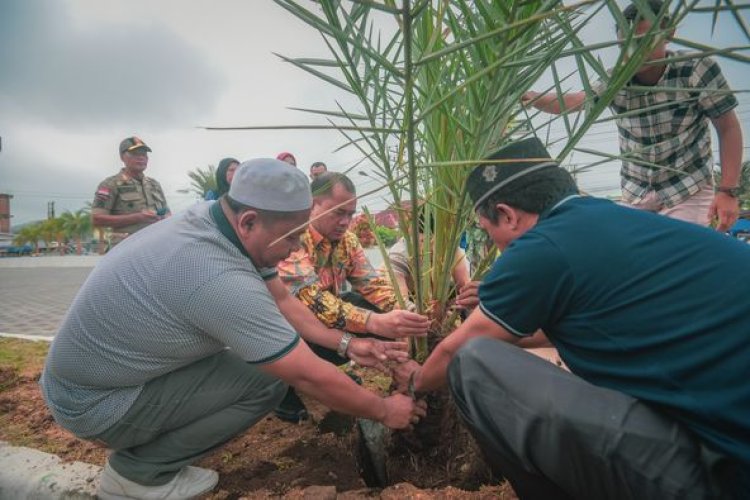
141	360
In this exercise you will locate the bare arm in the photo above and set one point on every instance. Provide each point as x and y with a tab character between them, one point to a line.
729	132
552	103
302	369
366	352
301	318
116	221
433	375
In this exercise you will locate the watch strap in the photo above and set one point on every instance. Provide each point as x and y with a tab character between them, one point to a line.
346	338
731	191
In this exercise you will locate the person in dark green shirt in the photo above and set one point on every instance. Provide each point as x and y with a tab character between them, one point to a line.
649	313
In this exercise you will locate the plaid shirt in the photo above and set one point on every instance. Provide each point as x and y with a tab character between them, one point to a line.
671	131
316	274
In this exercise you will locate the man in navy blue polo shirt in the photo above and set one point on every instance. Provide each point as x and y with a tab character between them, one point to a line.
649	313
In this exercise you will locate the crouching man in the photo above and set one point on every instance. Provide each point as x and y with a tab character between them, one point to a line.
183	336
648	314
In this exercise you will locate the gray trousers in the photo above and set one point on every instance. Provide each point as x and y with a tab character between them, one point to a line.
182	415
554	435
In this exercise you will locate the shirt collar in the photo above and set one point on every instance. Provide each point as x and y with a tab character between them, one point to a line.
554	207
315	236
127	177
220	218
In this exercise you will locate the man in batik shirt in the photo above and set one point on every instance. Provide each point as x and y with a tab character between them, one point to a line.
329	256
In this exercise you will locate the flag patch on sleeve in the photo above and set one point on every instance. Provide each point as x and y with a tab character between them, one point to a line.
102	193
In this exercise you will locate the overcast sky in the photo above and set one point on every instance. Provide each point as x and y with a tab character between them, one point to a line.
80	75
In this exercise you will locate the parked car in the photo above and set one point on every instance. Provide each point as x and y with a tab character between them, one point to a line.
20	250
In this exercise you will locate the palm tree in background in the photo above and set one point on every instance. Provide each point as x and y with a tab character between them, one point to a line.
201	182
52	230
77	225
29	234
101	232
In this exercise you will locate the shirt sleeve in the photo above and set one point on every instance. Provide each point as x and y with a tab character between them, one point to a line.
373	287
104	198
529	287
298	274
237	309
160	192
715	96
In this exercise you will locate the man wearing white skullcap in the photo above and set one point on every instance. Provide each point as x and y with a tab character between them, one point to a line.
141	361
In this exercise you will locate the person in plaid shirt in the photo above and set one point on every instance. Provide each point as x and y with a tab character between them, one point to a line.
666	148
330	256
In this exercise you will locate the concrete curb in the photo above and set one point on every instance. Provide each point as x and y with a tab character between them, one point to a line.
27	474
50	261
33	338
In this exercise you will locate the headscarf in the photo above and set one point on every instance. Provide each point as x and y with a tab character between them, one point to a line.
222	185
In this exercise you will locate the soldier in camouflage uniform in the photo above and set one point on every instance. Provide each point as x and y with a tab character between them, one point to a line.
129	201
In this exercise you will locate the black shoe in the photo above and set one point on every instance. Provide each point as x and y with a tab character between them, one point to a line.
291	409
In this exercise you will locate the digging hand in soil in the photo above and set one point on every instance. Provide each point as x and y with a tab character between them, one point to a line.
402	412
374	353
397	324
401	374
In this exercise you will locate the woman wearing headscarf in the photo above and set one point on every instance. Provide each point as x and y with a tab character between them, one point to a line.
224	174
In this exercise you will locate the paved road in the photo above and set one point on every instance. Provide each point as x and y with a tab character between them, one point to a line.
35	293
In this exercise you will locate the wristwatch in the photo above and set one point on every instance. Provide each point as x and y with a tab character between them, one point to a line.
734	192
344	344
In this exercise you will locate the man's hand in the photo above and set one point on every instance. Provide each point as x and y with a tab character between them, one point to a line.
401	373
528	96
146	215
397	324
468	296
725	209
402	411
374	353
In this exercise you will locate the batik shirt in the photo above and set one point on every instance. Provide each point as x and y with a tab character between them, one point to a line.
671	130
317	273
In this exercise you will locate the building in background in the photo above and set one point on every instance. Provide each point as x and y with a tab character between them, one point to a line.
5	232
5	213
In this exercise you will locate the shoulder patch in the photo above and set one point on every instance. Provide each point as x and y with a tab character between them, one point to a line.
103	193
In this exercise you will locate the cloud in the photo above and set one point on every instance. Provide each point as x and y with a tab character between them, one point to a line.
63	72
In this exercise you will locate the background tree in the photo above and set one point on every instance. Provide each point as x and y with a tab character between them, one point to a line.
31	234
201	182
52	230
78	225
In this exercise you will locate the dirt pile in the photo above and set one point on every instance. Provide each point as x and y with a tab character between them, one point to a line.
316	459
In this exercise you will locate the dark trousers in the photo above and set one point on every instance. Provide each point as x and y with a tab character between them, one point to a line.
554	435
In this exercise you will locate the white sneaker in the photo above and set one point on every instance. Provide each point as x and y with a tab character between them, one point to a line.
188	483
